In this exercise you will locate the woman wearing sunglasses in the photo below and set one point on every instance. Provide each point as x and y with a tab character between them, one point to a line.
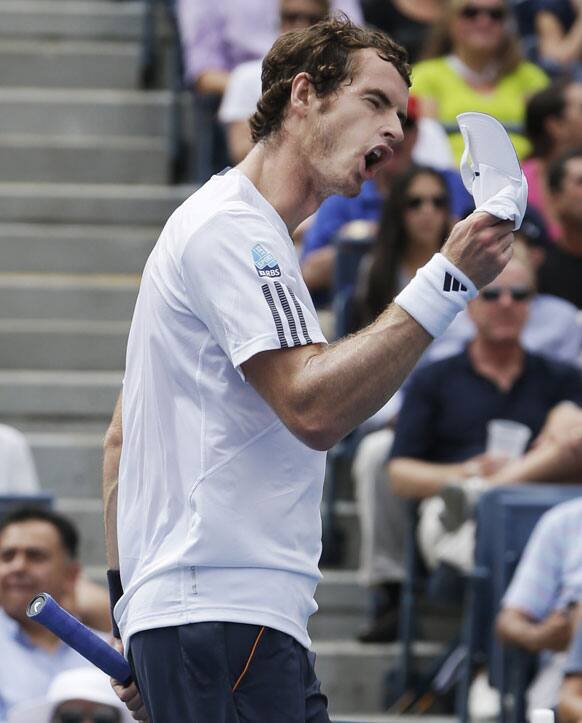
474	64
414	224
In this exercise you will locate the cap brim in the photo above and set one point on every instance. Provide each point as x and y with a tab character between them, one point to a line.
31	713
489	143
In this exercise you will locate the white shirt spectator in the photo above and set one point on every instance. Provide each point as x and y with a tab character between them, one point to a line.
17	470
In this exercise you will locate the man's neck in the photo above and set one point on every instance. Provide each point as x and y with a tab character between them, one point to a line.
501	363
476	61
571	238
281	178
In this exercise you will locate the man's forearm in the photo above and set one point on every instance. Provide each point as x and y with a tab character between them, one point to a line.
111	455
513	627
417	479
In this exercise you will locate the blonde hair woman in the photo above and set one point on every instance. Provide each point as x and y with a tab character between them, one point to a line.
474	64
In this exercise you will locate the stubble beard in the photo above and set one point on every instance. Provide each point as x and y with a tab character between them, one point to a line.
330	177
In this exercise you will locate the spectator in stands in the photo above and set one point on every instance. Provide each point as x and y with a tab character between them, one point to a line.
558	25
243	89
414	225
553	328
38	553
17	470
441	430
561	271
80	695
216	37
474	64
407	21
553	124
570	696
539	608
318	252
554	325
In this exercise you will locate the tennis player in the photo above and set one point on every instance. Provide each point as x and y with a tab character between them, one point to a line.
232	395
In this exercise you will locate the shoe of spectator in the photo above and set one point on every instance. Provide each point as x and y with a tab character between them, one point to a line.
383	630
455	510
484	701
460	499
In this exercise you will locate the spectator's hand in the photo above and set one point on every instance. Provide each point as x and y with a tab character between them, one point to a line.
129	694
480	246
563	419
483	465
555	632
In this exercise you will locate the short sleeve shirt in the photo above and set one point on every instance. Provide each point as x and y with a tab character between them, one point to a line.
218	509
549	575
447	405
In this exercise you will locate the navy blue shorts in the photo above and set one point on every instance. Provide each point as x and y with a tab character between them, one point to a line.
226	673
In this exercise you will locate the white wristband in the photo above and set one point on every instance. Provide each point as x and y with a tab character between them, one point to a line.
436	294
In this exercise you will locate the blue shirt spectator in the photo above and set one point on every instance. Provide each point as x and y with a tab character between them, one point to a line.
549	575
27	670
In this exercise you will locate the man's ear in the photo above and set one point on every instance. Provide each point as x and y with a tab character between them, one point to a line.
302	93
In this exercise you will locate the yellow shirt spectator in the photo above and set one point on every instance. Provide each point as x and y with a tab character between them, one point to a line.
440	82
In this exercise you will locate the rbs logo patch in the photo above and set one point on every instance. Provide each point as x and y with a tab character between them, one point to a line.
265	263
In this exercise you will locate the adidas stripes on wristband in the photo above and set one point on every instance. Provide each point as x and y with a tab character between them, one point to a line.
436	294
115	592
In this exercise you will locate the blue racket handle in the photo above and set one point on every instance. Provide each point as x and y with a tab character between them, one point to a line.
46	611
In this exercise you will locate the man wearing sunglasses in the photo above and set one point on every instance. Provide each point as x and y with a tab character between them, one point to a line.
442	428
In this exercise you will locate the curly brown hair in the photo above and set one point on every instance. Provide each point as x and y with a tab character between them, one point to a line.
325	51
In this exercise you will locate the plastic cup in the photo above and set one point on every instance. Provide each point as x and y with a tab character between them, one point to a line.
507	439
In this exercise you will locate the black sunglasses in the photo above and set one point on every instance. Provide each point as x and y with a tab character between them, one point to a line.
296	17
79	716
415	202
518	293
470	12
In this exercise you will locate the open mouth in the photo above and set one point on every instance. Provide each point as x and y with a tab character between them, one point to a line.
374	158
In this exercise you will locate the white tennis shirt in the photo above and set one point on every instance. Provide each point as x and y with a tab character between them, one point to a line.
218	503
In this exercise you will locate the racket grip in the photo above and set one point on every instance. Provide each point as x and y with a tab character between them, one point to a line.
46	611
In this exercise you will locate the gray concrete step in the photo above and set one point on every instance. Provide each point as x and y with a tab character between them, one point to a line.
95	297
352	674
30	248
72	111
71	19
68	464
87	515
68	63
66	203
45	394
83	159
62	344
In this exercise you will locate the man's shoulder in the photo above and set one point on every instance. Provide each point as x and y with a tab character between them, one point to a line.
221	202
443	367
549	367
566	518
